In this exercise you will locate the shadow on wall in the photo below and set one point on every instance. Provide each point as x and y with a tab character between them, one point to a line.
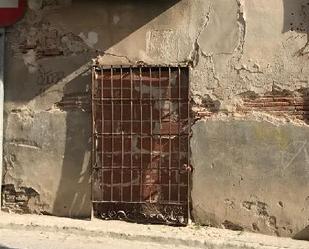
296	18
114	19
296	15
73	197
118	18
74	192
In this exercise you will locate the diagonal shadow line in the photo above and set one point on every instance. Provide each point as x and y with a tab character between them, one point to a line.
73	196
134	14
121	18
303	234
118	19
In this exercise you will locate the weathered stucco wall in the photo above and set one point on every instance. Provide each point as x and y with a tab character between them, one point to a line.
249	76
257	180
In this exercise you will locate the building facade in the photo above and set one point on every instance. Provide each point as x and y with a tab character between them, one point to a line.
248	72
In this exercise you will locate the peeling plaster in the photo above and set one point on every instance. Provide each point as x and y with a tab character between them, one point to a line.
242	26
91	39
195	53
31	61
221	20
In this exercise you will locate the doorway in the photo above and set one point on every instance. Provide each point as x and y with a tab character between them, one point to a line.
141	154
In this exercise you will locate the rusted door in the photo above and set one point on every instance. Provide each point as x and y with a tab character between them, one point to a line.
141	153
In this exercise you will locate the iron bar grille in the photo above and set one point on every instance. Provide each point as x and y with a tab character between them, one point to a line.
141	152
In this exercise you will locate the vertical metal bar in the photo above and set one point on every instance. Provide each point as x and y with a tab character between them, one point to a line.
179	132
2	50
131	126
151	133
112	97
122	135
141	138
169	136
93	136
102	132
189	150
160	116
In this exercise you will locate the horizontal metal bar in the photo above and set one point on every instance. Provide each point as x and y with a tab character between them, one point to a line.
183	100
162	66
114	185
184	203
119	168
143	136
2	51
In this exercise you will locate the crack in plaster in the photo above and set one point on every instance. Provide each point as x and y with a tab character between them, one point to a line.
195	53
242	28
236	55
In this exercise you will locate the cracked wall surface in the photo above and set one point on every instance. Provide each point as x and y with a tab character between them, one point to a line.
249	82
252	148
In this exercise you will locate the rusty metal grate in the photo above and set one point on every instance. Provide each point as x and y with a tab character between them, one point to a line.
141	152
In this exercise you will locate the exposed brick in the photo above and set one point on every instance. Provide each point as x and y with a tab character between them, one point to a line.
279	105
16	200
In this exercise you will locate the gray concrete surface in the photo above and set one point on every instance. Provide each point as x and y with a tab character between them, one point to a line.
251	175
32	231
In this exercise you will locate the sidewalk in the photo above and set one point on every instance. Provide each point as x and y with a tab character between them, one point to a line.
192	236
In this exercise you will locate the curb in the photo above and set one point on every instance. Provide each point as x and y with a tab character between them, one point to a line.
195	237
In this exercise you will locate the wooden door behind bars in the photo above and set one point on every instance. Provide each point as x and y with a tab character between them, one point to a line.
141	129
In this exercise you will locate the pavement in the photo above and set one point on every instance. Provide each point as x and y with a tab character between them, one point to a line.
38	231
14	239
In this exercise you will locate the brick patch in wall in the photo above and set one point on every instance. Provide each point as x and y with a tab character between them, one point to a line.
279	105
20	200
